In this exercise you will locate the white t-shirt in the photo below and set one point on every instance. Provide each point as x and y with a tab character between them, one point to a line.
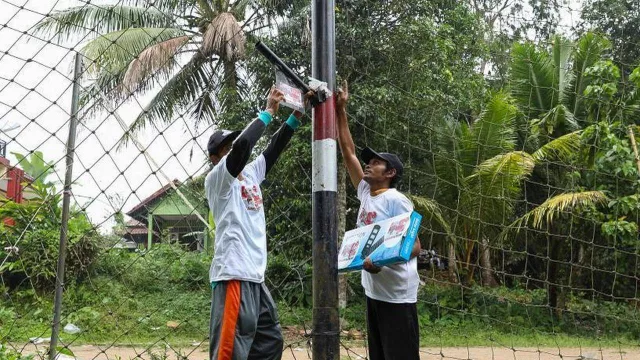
241	240
397	283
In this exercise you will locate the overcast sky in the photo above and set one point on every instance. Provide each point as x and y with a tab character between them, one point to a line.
34	90
49	104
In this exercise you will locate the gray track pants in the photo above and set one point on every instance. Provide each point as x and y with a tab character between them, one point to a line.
244	323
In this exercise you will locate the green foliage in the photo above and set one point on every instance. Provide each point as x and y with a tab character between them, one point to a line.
36	167
82	20
492	134
165	265
137	45
619	20
519	311
388	108
30	240
539	174
290	283
7	353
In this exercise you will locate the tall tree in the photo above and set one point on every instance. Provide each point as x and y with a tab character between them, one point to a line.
188	49
619	20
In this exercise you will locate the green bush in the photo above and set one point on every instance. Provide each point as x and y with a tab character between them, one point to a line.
37	243
164	265
7	353
291	283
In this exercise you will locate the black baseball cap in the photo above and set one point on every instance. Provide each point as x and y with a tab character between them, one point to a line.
392	159
220	138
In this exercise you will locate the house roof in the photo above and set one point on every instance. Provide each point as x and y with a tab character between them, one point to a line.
153	197
134	223
138	231
135	227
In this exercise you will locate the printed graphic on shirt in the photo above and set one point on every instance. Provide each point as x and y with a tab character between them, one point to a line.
367	218
251	197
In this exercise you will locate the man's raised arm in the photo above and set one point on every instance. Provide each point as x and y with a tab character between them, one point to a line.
244	143
347	147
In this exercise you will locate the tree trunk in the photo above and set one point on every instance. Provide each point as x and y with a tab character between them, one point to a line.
229	95
552	273
342	219
467	260
485	262
577	264
453	266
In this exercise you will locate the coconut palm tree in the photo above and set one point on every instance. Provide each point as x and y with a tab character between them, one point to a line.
189	49
563	92
481	174
548	84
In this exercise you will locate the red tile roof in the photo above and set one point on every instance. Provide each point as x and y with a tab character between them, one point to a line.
135	227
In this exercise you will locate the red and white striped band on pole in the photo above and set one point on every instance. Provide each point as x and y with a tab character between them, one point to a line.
324	173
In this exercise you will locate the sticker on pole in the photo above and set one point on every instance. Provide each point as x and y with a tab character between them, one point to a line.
293	97
386	242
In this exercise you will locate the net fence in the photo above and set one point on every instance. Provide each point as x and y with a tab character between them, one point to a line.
517	122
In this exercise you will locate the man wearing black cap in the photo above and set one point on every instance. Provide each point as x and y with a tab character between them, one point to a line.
392	318
244	323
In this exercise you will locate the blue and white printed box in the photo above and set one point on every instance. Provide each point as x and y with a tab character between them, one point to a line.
385	242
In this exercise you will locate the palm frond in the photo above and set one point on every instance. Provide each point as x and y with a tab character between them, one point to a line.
153	59
177	94
206	107
562	50
239	8
558	121
116	50
589	50
550	210
495	186
106	86
225	38
281	7
171	7
429	209
80	21
564	148
448	171
532	79
515	165
108	83
631	107
493	133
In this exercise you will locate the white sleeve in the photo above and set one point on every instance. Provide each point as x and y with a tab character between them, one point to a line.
363	188
402	205
218	181
257	169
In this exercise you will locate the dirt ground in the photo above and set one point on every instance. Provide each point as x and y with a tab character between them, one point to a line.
302	352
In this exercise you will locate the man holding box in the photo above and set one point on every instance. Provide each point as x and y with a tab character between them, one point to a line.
244	323
392	290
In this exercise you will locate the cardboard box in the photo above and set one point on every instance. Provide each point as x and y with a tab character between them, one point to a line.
386	242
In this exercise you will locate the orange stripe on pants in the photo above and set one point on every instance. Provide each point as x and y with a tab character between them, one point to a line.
229	320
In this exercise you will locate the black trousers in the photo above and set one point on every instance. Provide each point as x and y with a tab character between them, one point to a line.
393	332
